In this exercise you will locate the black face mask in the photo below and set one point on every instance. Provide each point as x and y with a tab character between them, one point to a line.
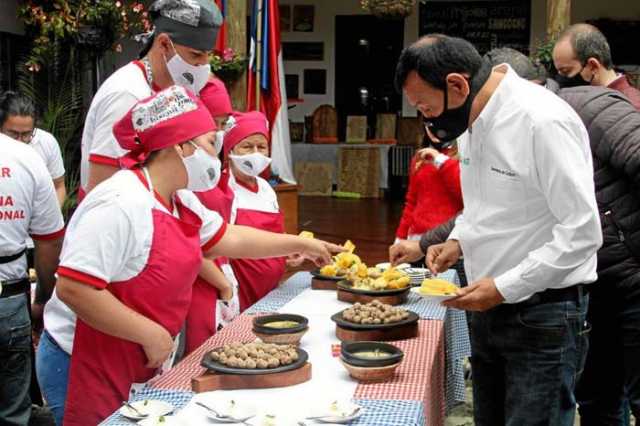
574	81
454	121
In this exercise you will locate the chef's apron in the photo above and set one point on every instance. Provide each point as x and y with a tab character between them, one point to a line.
104	367
208	313
257	277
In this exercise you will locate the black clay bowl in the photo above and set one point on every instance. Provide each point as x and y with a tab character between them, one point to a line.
260	327
350	351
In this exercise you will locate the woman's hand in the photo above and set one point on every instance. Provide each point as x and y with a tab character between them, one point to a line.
425	155
318	251
158	346
226	291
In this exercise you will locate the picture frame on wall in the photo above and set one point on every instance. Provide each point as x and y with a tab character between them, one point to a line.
303	17
291	83
356	129
315	82
302	51
285	18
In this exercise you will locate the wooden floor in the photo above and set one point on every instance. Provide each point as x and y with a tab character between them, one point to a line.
369	223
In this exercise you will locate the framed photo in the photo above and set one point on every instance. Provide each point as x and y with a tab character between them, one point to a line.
315	82
291	83
356	129
303	18
296	131
302	51
285	18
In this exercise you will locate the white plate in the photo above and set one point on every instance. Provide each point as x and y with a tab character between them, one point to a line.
156	421
387	265
430	297
337	413
240	411
152	408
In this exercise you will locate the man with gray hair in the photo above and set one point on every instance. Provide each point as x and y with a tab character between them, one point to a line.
582	56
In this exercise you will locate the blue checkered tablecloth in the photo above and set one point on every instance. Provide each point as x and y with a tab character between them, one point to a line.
457	346
376	413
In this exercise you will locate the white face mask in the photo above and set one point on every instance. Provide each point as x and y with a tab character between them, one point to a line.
192	77
219	142
203	170
251	164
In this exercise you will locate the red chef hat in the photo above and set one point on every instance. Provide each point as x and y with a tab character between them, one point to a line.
167	118
215	97
242	125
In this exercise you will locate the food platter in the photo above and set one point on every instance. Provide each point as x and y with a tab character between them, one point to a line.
337	318
209	363
347	293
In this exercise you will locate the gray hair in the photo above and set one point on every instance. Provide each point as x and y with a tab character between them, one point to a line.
521	64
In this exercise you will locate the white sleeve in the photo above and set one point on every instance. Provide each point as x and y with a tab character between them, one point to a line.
213	226
98	243
54	162
565	176
104	145
46	217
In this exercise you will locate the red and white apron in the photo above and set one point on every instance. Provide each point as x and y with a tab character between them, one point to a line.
207	313
257	208
104	367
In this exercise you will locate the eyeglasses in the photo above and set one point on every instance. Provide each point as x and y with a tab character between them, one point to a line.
21	136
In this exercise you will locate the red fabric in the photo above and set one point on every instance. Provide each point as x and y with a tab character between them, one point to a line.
270	100
621	84
433	197
215	97
257	277
103	367
81	277
51	236
201	319
103	159
164	119
244	125
221	40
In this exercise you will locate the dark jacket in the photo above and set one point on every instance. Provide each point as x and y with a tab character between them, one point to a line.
614	133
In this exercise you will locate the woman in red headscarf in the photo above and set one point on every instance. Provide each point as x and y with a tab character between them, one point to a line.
134	248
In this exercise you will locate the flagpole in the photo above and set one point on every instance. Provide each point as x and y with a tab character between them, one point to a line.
258	53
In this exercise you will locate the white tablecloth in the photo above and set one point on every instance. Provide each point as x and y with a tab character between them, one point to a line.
328	153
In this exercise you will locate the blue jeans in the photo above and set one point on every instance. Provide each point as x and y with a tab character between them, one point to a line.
611	380
52	368
15	361
526	359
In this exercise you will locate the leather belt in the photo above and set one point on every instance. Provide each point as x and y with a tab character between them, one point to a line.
11	258
10	288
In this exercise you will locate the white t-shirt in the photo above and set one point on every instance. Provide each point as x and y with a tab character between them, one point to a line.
28	204
117	95
47	147
109	239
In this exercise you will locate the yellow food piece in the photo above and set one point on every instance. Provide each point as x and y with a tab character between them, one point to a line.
349	246
393	274
438	287
346	260
362	271
329	270
306	234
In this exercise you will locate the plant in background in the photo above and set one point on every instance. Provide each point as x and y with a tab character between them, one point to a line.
228	65
94	25
542	54
388	8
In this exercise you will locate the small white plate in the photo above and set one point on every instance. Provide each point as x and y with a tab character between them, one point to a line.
386	265
338	413
239	411
431	297
161	421
149	407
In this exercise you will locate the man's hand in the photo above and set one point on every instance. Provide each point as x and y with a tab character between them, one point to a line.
425	155
405	251
479	296
441	256
37	324
158	346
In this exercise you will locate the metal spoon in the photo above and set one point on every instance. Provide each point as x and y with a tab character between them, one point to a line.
134	409
224	416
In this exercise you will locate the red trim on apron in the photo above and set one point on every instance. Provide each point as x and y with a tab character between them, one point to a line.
103	367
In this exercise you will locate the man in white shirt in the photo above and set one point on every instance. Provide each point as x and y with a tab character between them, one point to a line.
175	52
529	231
17	120
28	207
